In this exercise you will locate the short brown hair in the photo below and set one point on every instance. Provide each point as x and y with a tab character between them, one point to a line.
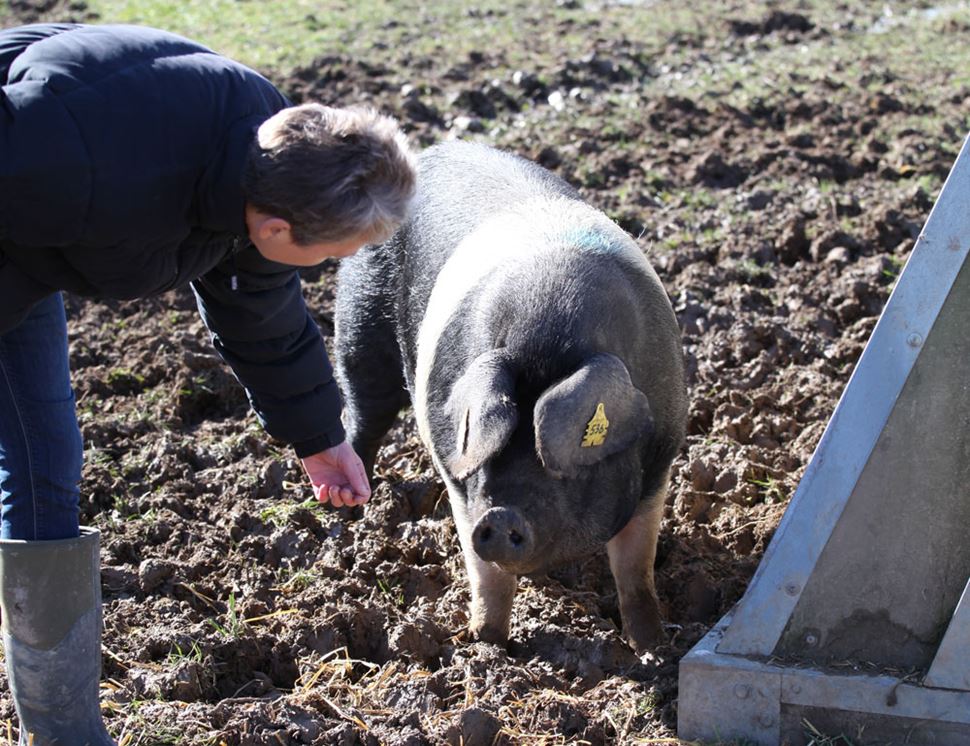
331	173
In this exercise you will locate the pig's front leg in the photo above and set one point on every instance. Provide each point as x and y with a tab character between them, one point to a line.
632	552
492	589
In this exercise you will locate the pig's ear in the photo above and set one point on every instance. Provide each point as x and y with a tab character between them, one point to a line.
588	416
482	408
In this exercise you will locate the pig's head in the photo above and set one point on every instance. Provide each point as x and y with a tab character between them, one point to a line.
550	472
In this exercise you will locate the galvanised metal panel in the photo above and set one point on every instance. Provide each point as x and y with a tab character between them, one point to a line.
904	418
889	578
858	421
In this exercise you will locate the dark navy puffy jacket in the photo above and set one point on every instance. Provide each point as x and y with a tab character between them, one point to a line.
121	154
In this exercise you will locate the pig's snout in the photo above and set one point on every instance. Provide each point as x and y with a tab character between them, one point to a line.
503	535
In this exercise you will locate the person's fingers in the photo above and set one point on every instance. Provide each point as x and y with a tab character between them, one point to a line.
357	492
357	477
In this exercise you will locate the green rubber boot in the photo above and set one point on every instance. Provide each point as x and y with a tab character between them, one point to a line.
50	597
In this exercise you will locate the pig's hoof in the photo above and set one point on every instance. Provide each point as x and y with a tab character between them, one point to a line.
490	634
642	627
644	640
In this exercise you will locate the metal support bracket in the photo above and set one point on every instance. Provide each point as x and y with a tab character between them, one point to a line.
727	698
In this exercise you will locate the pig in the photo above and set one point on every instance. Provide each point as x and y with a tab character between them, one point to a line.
544	364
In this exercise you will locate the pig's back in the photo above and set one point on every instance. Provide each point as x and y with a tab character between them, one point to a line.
502	253
461	185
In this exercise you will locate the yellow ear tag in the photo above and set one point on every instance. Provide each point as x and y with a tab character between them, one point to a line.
596	428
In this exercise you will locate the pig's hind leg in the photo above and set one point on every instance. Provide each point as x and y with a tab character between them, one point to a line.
632	552
368	368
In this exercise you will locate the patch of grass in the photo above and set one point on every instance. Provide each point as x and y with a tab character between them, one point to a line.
233	626
712	235
771	488
698	198
192	654
817	738
124	376
121	507
591	178
262	34
279	513
290	580
392	593
200	385
895	267
751	270
847	56
672	243
274	36
145	728
931	184
647	704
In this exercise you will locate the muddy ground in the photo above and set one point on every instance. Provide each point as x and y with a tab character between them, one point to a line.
238	613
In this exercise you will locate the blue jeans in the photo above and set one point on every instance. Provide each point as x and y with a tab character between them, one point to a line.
40	442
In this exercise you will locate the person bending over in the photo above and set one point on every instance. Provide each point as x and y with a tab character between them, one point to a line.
134	161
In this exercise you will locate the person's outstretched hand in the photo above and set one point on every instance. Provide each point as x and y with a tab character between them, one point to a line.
338	476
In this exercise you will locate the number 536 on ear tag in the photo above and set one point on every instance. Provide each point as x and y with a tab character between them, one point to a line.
596	428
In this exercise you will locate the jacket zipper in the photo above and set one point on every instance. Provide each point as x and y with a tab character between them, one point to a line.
234	277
